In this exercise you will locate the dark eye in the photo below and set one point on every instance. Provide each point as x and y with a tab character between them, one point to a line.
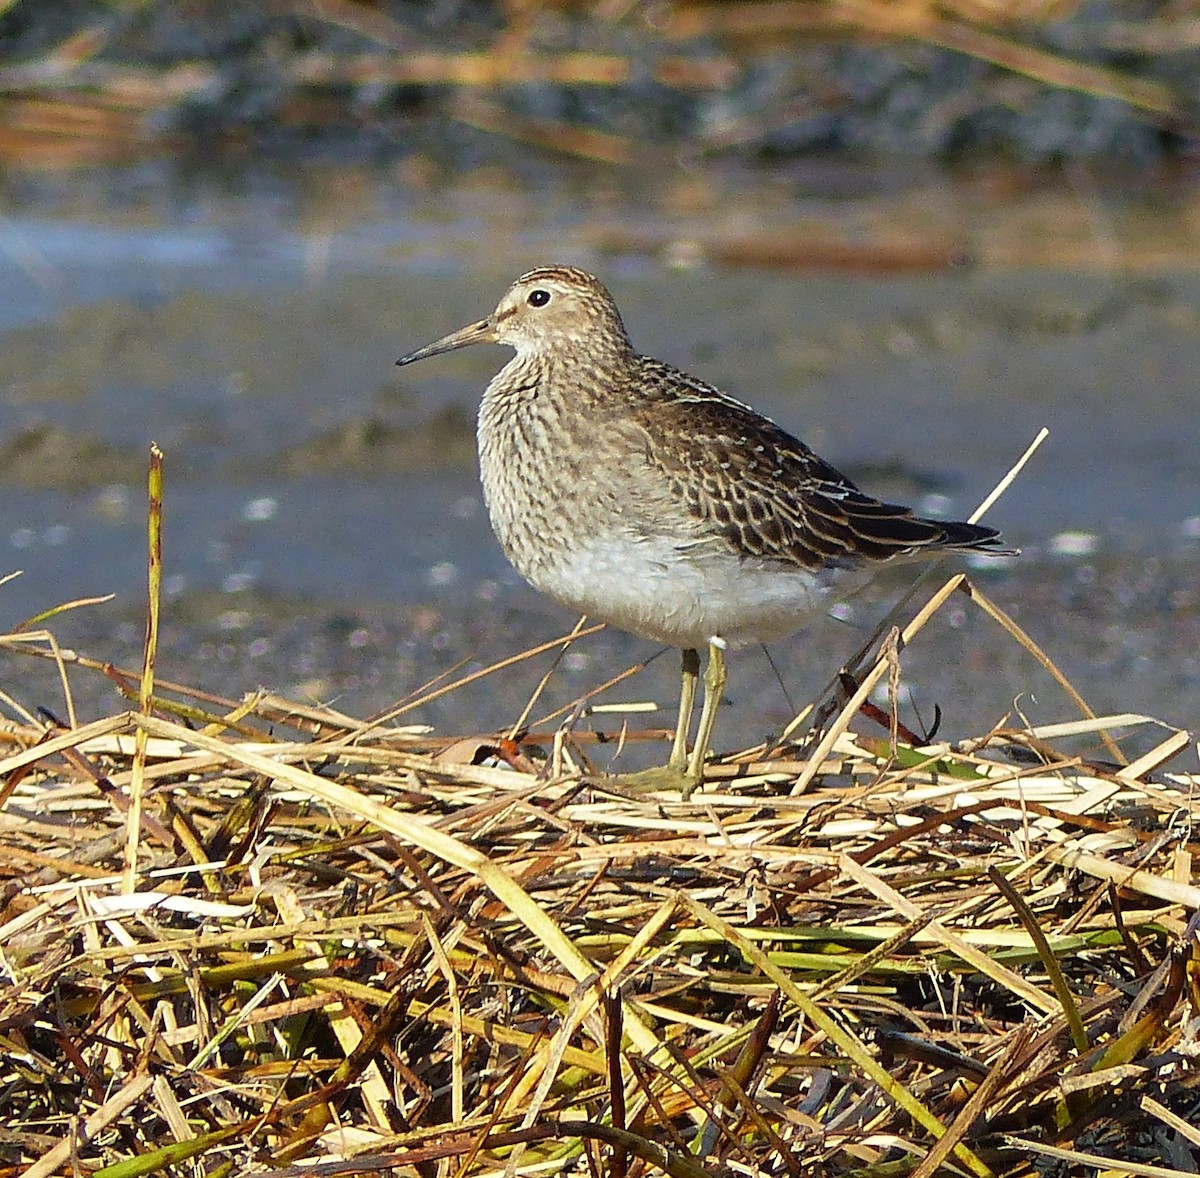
538	298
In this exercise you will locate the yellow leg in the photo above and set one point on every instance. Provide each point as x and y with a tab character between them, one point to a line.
675	774
715	676
687	701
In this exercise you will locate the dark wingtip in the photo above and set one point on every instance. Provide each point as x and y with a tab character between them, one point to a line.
975	538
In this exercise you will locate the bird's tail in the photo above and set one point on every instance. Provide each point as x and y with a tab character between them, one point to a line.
971	538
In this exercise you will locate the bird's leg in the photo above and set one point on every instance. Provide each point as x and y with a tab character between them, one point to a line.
715	676
687	701
675	773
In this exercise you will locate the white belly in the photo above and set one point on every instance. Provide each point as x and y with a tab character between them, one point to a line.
686	598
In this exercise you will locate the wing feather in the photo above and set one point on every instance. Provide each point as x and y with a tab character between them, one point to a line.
765	492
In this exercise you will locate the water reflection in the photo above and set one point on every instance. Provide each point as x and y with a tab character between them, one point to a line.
250	329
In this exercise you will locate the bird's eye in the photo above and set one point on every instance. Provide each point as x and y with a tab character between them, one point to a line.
538	298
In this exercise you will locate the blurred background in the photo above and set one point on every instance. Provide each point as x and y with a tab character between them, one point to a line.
914	233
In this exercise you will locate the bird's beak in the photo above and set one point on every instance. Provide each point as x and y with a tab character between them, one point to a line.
483	332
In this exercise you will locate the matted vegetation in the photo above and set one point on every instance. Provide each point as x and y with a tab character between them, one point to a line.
612	81
266	935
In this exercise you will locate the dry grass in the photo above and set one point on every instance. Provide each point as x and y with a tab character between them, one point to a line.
95	95
268	934
362	945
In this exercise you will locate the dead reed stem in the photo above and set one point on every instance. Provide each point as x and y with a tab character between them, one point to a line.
305	941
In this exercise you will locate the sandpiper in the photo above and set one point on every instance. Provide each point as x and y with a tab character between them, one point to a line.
632	492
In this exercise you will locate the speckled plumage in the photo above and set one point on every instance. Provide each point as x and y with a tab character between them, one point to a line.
628	490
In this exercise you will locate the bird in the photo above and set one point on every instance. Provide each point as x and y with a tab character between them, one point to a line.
628	490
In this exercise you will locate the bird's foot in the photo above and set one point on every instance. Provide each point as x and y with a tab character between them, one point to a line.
659	779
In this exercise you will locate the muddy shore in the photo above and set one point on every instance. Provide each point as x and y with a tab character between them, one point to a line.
325	534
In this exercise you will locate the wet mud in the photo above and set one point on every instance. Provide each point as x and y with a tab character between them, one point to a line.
324	530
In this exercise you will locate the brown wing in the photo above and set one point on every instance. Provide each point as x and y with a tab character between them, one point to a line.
766	492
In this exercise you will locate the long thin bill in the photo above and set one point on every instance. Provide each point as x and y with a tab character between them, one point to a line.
473	333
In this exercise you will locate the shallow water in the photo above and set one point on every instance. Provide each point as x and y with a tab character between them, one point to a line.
324	530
